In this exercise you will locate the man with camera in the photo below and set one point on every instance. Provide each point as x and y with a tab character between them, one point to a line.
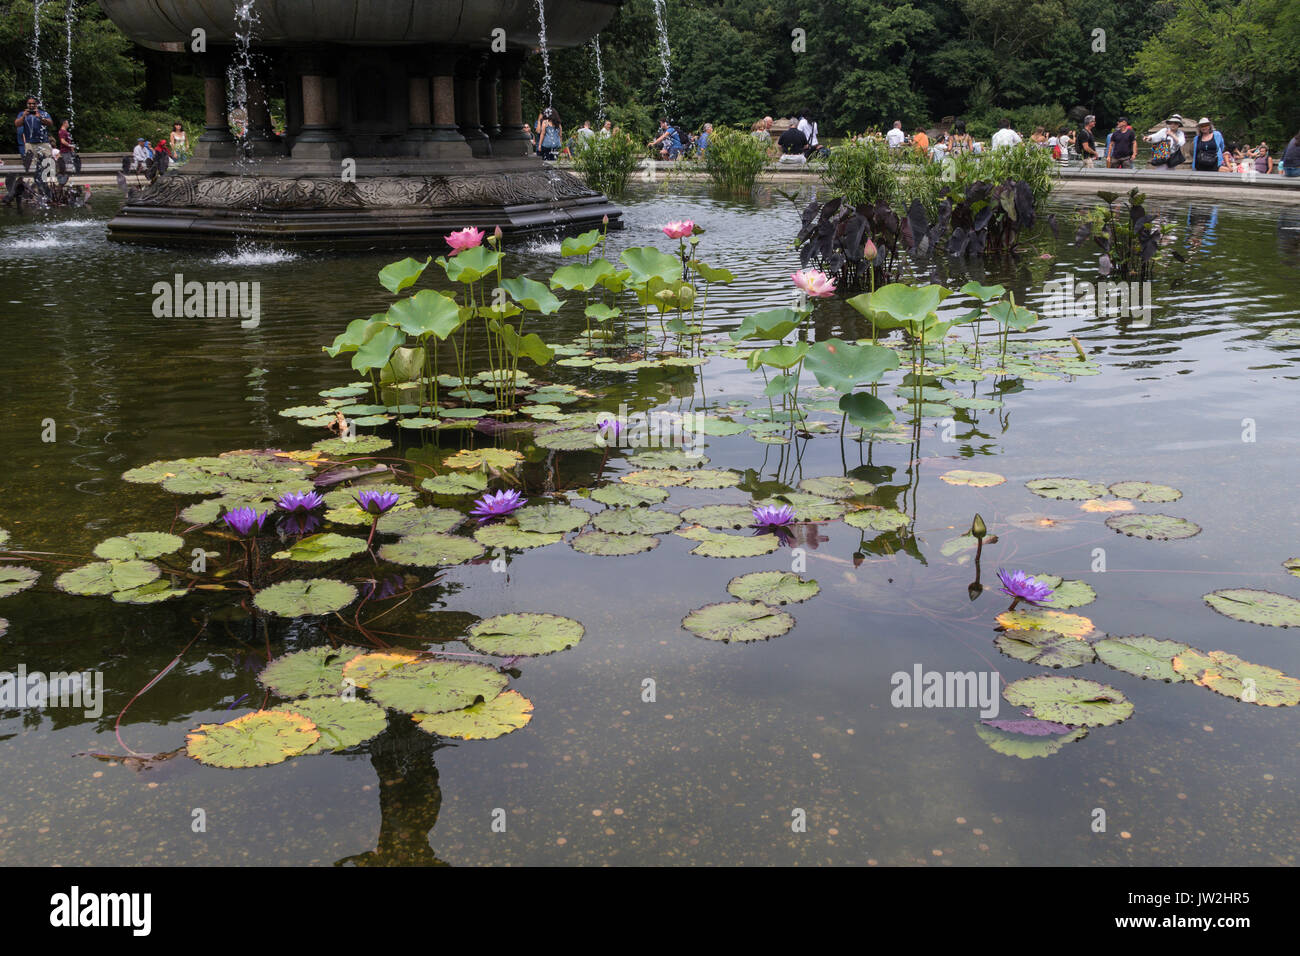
33	125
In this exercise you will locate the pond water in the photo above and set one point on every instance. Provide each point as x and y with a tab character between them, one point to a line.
740	736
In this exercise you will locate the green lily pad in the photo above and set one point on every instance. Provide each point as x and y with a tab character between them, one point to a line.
1045	648
1024	746
655	478
431	550
466	483
834	486
1152	527
314	672
501	459
977	404
1292	566
620	495
105	577
1142	656
718	428
258	739
877	519
1058	622
524	635
503	714
957	545
720	516
15	578
1256	607
712	478
974	479
636	521
305	598
718	544
772	587
1145	491
1230	676
343	722
1065	594
358	445
511	537
613	545
807	507
567	438
551	517
151	593
1069	700
138	545
419	521
322	547
667	458
737	621
1066	489
435	687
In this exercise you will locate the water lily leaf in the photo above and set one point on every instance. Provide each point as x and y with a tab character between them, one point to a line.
1230	676
772	587
431	550
258	739
365	667
647	261
397	276
15	578
509	536
1256	607
470	265
865	411
620	495
718	428
1065	594
303	598
808	507
1045	648
636	521
564	437
720	516
977	404
1097	506
419	521
138	544
667	458
507	712
1068	489
524	635
718	544
605	544
580	245
1032	619
844	366
581	278
899	304
425	313
551	517
1024	746
1292	566
105	577
307	411
322	547
1143	656
774	324
343	722
955	546
151	593
4	537
435	687
453	484
501	459
877	519
1069	700
975	479
312	672
655	478
834	486
737	621
1153	527
1145	491
712	478
347	447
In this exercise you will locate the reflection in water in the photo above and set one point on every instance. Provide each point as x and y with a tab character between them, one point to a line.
1288	236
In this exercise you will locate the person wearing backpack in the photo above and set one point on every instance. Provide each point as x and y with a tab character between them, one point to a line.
550	134
1208	154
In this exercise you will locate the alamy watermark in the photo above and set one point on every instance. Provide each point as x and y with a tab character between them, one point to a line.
654	430
1070	299
960	689
208	300
37	690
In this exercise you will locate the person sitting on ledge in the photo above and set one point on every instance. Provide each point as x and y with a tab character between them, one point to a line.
793	143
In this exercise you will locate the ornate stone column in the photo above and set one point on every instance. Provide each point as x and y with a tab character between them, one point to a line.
217	139
319	138
450	143
487	99
467	73
511	140
419	130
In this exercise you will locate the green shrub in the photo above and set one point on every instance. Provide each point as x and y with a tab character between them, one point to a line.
1023	120
865	173
734	159
607	162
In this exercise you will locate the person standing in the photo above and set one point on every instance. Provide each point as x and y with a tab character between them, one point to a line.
1122	146
1208	153
1167	143
1291	157
921	141
550	134
894	138
702	143
32	126
606	129
177	140
960	141
1005	137
1087	141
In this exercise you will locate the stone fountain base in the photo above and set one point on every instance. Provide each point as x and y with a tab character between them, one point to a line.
390	203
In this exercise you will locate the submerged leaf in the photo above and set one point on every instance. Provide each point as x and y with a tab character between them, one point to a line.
1026	746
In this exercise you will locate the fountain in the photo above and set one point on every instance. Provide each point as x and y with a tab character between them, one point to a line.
404	120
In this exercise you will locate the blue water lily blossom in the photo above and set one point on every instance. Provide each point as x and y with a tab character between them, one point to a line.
376	502
300	501
497	505
770	517
1022	587
245	521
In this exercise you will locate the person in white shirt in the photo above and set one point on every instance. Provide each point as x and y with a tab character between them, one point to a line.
894	138
1172	132
141	155
1005	136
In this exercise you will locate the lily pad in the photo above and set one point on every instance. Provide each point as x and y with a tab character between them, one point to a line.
1027	746
507	712
304	598
1065	594
524	635
613	545
1066	489
974	479
348	447
1145	491
1097	506
322	547
712	478
509	536
636	521
1153	527
259	739
957	545
502	459
877	519
834	486
1230	676
1069	700
431	550
138	545
1142	656
551	517
564	437
737	621
720	516
313	672
772	587
105	577
419	521
1032	619
364	668
718	544
15	578
151	593
1045	648
667	458
655	478
1292	566
808	507
471	482
620	495
1256	607
435	687
343	722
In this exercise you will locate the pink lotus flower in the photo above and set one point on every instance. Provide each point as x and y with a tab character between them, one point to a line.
463	239
869	251
816	284
679	230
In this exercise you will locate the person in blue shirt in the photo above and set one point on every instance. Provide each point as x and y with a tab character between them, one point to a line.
702	143
32	126
668	142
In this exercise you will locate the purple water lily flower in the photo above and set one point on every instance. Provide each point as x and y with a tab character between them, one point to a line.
1022	587
300	501
496	505
245	521
610	428
771	517
376	502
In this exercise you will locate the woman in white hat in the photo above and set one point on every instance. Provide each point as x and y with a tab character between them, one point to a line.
1167	143
1208	153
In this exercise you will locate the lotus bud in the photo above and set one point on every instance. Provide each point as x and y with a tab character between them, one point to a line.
977	528
604	220
858	558
869	251
974	590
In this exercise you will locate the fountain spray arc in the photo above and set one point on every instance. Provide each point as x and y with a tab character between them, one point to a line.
403	121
